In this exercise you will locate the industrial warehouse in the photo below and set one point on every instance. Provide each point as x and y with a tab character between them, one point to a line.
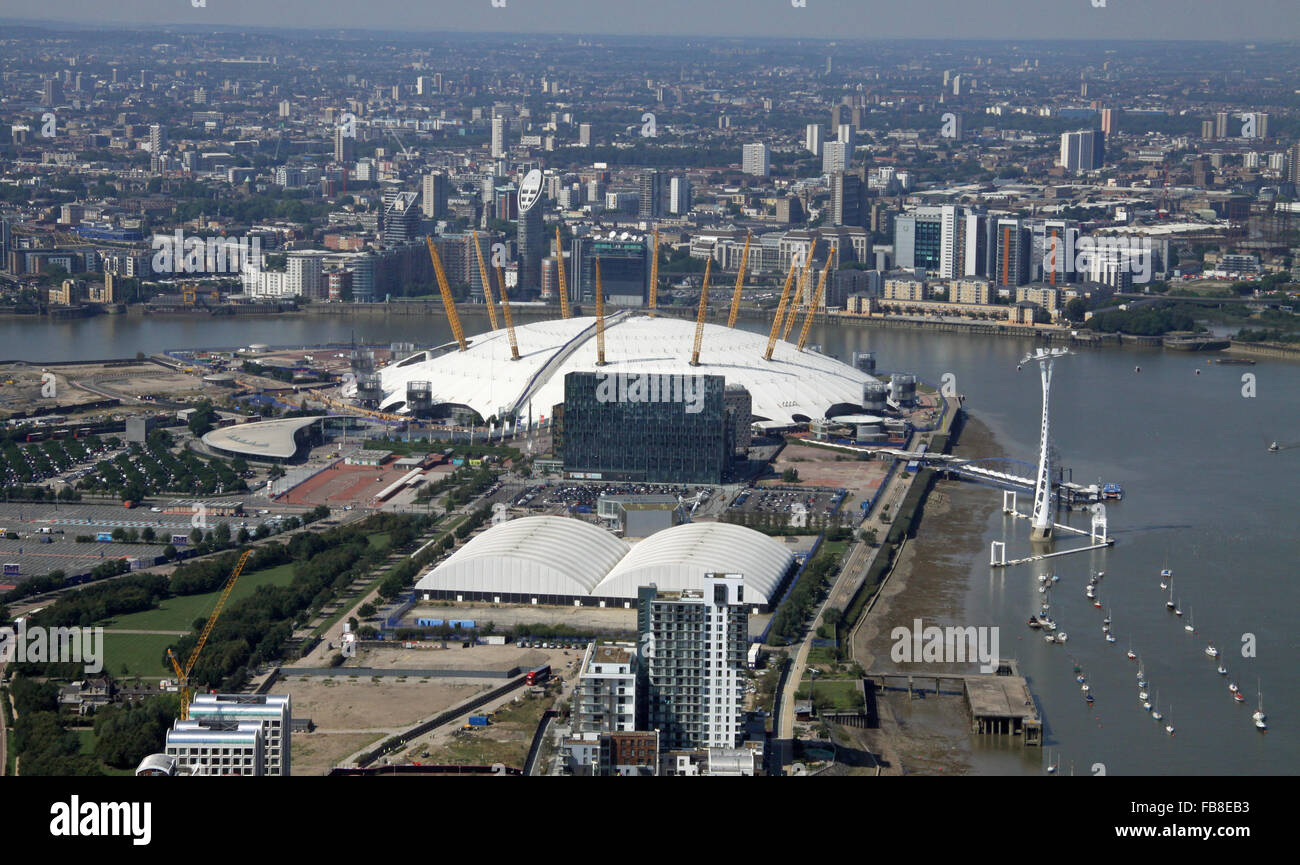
566	561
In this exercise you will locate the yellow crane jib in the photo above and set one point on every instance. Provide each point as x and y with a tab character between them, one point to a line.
812	307
564	283
799	291
445	290
510	322
780	311
487	284
600	318
740	282
654	275
183	675
699	316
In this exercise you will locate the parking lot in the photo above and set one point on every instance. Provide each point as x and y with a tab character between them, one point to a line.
36	552
573	495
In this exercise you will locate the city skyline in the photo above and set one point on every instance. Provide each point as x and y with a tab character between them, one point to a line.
844	20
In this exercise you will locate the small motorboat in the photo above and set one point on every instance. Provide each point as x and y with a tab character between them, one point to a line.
1155	711
1177	611
1110	638
1034	623
1088	697
1212	652
1223	671
1106	621
1232	686
1042	589
1132	655
1274	448
1146	704
1055	578
1097	604
1080	679
1239	697
1049	639
1143	696
1062	637
1084	687
1190	627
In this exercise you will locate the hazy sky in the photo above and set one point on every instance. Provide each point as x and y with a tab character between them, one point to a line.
829	19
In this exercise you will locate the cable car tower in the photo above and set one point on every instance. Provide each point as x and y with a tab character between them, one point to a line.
1041	519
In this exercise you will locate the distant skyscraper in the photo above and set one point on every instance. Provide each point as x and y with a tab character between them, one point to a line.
401	218
1109	121
345	147
835	157
51	93
1011	254
433	201
847	199
812	139
498	137
679	196
1293	163
531	235
157	139
1082	151
846	136
1207	128
755	159
1221	125
584	134
653	195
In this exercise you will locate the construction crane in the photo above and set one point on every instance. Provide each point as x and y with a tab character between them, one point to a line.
654	275
600	318
799	291
487	285
740	282
510	322
699	317
445	290
564	283
183	676
816	302
780	311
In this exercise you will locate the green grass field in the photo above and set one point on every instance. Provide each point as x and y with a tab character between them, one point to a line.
127	655
841	694
178	614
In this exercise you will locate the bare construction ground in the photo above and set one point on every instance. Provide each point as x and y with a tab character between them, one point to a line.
349	714
823	467
432	657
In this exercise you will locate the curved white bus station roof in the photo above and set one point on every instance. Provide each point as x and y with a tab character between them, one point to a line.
269	439
485	378
564	556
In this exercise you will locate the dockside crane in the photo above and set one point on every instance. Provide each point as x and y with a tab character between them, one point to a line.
600	318
654	276
799	291
564	283
448	303
487	285
183	676
816	302
780	311
700	316
505	310
740	281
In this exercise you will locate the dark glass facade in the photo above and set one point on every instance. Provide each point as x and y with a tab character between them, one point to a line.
651	437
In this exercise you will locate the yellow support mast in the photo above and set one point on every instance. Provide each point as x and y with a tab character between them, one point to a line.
487	285
445	290
654	275
505	310
780	311
799	291
816	302
564	283
740	282
699	317
183	676
600	318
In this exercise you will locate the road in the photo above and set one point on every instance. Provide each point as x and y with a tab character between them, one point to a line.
853	571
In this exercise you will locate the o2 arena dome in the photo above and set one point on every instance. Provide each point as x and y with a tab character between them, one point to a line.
794	386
